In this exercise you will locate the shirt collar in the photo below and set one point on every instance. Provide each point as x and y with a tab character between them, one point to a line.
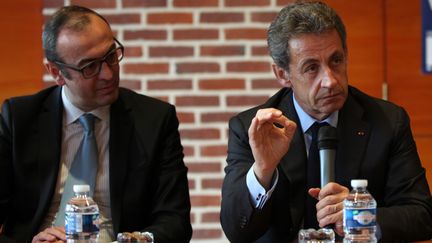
72	113
306	120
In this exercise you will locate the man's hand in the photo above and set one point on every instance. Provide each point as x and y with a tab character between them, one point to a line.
53	234
330	205
270	135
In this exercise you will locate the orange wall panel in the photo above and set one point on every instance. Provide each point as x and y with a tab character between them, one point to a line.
21	46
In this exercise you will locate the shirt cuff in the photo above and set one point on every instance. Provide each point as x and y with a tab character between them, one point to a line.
257	193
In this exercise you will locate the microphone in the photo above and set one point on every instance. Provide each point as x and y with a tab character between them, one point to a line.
327	144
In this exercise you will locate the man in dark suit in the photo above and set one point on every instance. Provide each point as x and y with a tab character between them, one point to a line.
141	182
265	192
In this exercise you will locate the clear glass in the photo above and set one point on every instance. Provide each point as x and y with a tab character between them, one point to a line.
316	236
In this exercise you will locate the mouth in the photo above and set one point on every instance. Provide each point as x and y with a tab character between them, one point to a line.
108	89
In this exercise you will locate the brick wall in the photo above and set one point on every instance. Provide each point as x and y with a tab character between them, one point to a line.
207	57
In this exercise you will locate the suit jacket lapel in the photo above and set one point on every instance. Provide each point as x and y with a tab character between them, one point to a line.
120	136
48	136
353	134
293	164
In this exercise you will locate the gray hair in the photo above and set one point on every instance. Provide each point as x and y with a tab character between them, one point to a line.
300	18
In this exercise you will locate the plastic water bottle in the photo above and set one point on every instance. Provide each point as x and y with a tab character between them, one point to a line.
81	217
359	214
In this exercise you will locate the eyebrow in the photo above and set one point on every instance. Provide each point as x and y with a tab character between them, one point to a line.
88	60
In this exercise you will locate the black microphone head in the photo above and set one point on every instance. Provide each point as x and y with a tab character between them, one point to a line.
327	138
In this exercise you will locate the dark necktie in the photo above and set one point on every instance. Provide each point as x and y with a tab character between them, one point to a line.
313	176
84	166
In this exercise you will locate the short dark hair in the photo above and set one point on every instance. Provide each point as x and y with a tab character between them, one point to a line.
300	18
71	17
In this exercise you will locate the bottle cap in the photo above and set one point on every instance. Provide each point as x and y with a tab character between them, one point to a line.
359	183
81	188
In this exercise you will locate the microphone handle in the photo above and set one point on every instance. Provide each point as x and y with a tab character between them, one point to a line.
327	167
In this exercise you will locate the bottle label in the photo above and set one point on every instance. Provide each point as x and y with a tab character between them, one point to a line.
360	217
81	222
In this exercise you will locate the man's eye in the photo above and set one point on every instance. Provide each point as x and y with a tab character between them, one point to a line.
311	68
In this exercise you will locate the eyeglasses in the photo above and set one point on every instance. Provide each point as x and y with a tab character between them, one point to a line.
94	67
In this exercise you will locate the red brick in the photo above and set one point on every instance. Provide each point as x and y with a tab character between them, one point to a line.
186	117
266	84
222	51
164	84
221	84
235	3
53	3
263	17
94	3
197	101
191	183
246	66
201	133
144	3
216	117
196	34
214	150
205	200
127	18
172	51
210	217
284	2
131	84
133	51
169	18
212	183
206	233
246	34
199	67
145	68
188	151
145	35
243	100
204	167
218	17
192	217
163	98
195	3
260	51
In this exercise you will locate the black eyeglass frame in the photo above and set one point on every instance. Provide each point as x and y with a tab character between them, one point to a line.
100	60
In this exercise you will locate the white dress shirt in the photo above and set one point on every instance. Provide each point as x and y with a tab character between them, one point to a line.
72	134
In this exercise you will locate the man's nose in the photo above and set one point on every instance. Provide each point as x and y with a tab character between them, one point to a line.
328	78
106	71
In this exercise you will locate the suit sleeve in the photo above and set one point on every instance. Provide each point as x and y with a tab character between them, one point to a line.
240	220
407	210
171	211
5	169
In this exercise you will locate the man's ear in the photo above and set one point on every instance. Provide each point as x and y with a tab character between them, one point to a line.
281	75
55	72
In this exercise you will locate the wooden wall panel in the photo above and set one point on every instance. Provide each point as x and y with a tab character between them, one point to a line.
21	46
408	86
364	24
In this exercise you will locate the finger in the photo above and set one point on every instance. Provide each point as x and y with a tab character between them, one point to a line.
266	115
330	219
313	192
329	210
58	232
331	189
